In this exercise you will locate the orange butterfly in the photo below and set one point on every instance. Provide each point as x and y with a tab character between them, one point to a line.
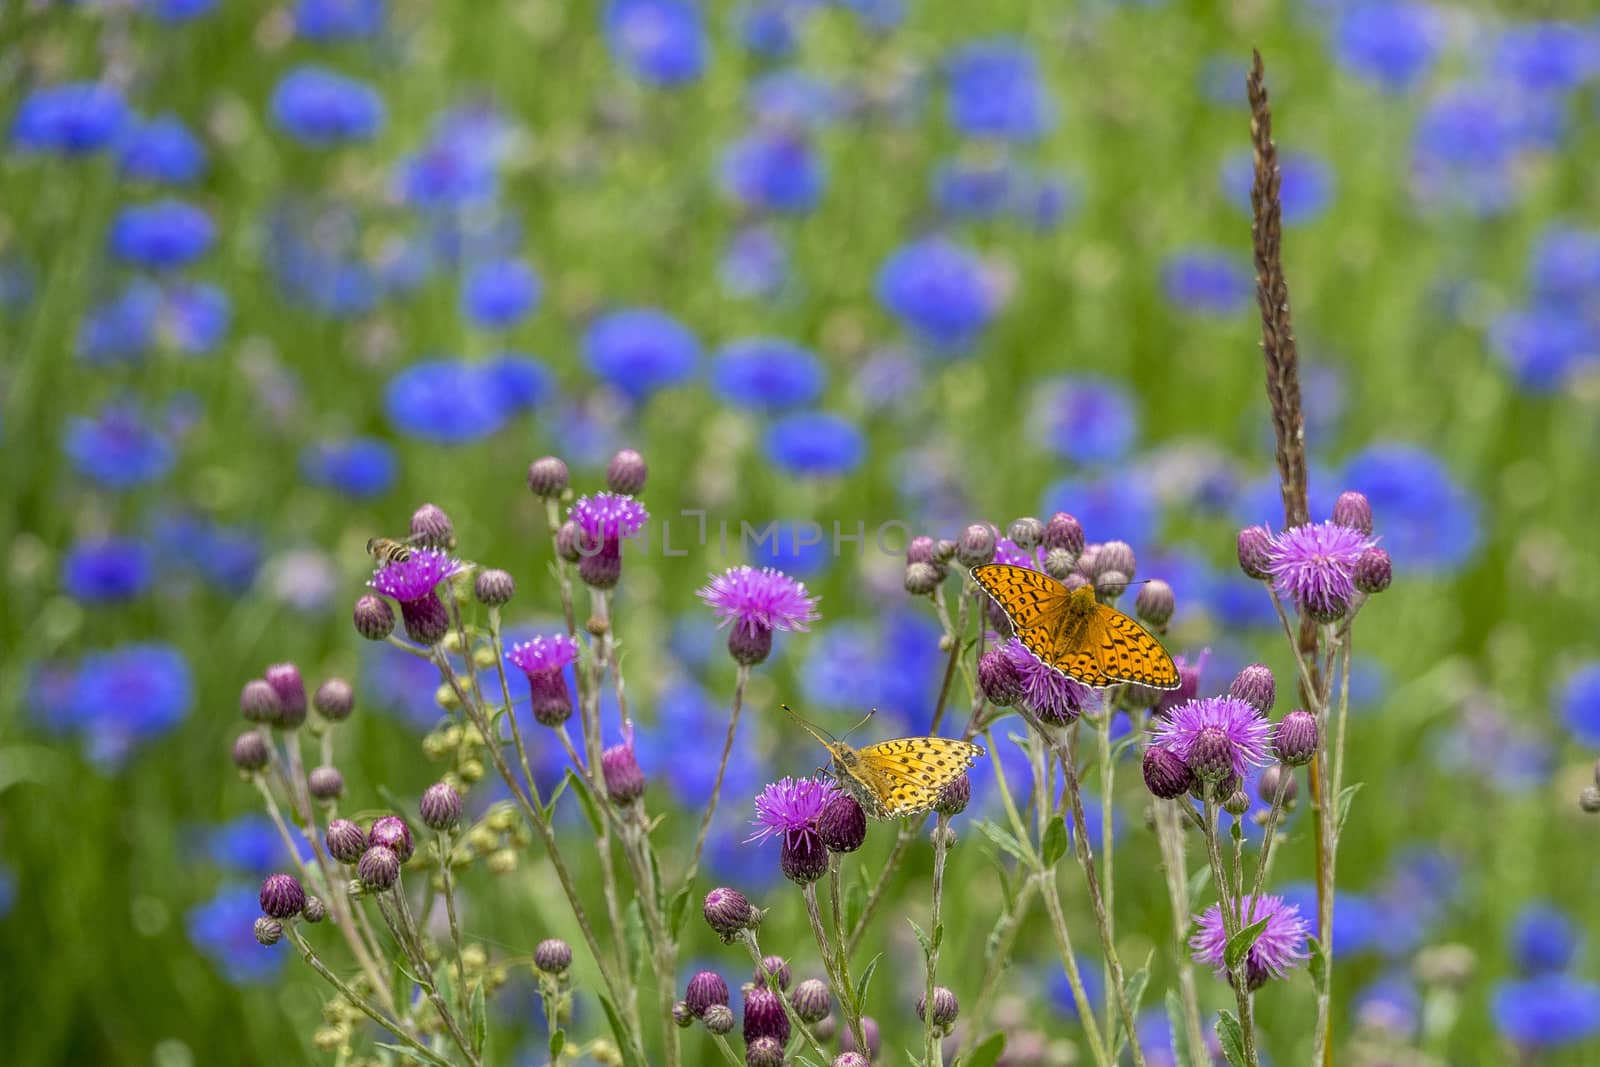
1069	630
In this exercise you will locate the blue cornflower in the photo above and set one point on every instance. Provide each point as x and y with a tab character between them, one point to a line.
816	444
1580	704
162	235
882	666
767	374
1222	81
195	316
1547	1011
781	545
320	108
127	695
337	20
795	98
688	715
996	91
754	263
72	119
359	467
163	150
939	291
107	569
1428	522
1545	345
1393	45
1207	282
227	557
444	401
659	42
448	171
1117	507
222	929
123	328
499	293
773	170
519	381
1044	201
117	448
249	844
1086	419
768	29
1566	263
973	190
640	350
18	281
1389	1003
879	16
1467	139
1091	971
1547	56
1543	939
176	11
1306	187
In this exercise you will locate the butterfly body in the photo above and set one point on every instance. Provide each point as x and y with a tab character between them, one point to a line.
1072	632
894	779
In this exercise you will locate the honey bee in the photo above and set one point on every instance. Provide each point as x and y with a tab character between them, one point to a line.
387	550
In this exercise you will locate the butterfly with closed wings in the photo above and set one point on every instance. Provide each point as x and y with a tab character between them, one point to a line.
1071	631
893	779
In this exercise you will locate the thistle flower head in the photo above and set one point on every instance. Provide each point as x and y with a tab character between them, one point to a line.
1281	944
543	655
763	598
414	578
608	516
1051	694
1243	729
791	807
1314	565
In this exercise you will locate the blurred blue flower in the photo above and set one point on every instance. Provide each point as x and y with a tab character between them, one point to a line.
939	292
1208	282
117	448
497	294
121	329
359	467
795	98
1110	507
1466	141
768	28
1044	201
1543	938
520	381
1086	418
176	11
1390	1003
659	42
1425	520
163	150
1565	263
773	170
1485	742
337	20
444	401
195	316
767	374
1091	971
223	929
754	263
448	171
71	119
1391	44
1547	1011
815	444
320	108
1222	81
1306	186
1547	56
249	844
689	718
127	695
1260	500
162	235
973	189
640	350
226	557
18	281
106	569
404	686
1580	704
1545	345
1094	815
8	890
788	551
892	664
995	91
879	16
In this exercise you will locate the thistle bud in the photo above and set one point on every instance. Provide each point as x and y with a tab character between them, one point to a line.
440	807
569	539
314	911
773	973
1255	548
374	618
1061	564
1114	556
1026	533
547	477
258	702
325	783
494	588
552	956
391	832
944	550
268	931
1166	775
1294	739
764	1052
729	913
705	989
803	859
851	1059
623	777
250	751
1255	686
842	824
378	868
1236	803
718	1019
945	1008
1063	533
626	473
282	896
284	678
1211	755
749	644
1373	571
1111	584
954	797
1589	799
812	1001
432	528
346	841
999	678
682	1015
869	1031
976	546
1276	777
1353	510
334	700
921	579
1155	603
764	1017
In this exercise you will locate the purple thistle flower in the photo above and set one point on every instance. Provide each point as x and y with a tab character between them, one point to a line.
1314	565
544	660
412	582
1006	551
1051	694
1245	730
603	520
791	807
757	602
1281	944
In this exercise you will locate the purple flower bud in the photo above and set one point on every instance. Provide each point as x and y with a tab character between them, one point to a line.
718	1019
325	783
1063	533
1255	551
378	868
1114	556
426	620
1155	604
999	678
1061	565
1236	803
1254	685
1165	773
1294	740
976	546
374	618
552	956
921	579
624	778
1110	584
547	477
569	539
842	824
1352	510
268	931
764	1017
392	833
314	911
705	989
851	1059
335	700
728	913
1026	533
1589	799
922	550
945	1008
682	1015
804	858
773	969
494	588
282	896
1373	571
250	751
812	1001
626	473
601	569
1272	779
1211	755
954	797
944	550
440	807
346	840
763	1051
259	702
749	645
284	678
869	1030
432	528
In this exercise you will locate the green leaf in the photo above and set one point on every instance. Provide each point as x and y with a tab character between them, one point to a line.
922	938
1198	882
1342	806
1241	942
633	926
655	877
1318	964
1054	845
1133	986
678	910
480	1019
1001	926
558	1041
855	904
866	980
630	1057
1004	841
1232	1038
591	810
555	795
1181	1054
987	1053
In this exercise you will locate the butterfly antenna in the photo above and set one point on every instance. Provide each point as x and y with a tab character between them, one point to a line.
862	723
815	731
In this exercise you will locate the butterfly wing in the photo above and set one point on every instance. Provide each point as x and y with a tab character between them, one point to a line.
1116	649
908	773
1029	598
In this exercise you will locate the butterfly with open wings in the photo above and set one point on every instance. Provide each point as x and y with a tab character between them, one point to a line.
894	779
